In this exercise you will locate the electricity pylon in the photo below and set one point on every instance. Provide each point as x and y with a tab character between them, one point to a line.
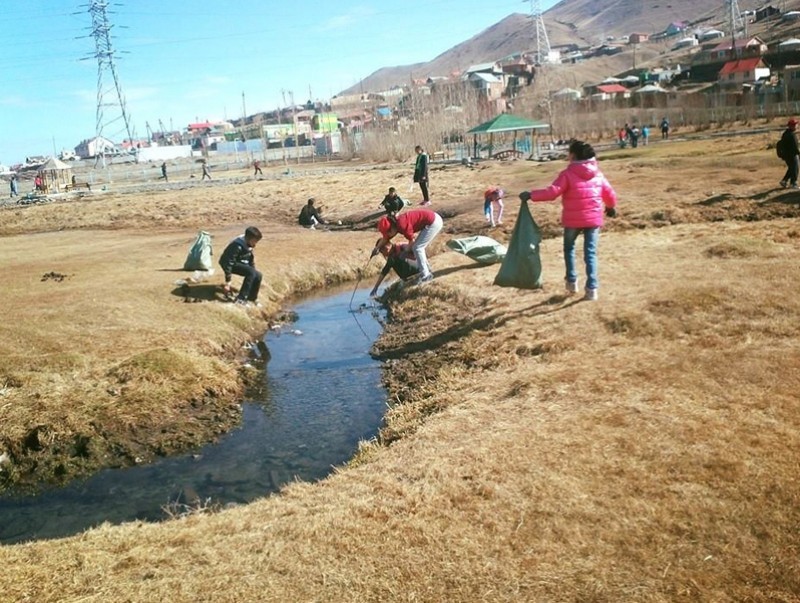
540	33
109	93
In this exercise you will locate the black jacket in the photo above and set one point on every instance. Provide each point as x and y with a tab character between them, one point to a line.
789	143
237	252
307	213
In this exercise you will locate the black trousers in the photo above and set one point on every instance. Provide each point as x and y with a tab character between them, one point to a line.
792	166
251	284
423	186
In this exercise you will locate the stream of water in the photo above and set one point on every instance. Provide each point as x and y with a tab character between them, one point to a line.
322	395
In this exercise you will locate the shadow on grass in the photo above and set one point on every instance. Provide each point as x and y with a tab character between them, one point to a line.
787	198
199	293
445	271
554	303
716	199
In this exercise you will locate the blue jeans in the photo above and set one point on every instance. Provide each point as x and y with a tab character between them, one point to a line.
591	237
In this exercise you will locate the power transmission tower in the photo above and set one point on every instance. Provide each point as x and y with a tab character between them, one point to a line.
735	22
109	93
540	33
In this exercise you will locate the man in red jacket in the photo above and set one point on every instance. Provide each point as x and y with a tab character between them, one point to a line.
419	227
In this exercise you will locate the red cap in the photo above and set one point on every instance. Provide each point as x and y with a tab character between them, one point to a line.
792	123
384	225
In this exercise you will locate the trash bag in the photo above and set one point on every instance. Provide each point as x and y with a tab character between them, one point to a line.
199	257
522	266
480	248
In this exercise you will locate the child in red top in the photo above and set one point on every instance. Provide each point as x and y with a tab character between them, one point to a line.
420	227
491	198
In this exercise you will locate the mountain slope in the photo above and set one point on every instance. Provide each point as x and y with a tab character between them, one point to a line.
582	22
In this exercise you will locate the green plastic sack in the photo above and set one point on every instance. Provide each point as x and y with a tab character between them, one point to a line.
199	257
481	249
522	266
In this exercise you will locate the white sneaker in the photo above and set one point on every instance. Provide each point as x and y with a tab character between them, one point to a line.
571	287
591	295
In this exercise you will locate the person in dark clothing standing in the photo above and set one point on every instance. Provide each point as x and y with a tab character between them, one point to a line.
309	215
257	168
421	174
238	259
790	154
664	128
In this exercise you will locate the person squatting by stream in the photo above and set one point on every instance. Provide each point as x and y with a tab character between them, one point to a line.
419	227
399	257
238	259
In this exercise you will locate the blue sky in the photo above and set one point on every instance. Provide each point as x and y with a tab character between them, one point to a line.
181	60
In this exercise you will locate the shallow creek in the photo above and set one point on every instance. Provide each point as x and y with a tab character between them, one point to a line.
321	395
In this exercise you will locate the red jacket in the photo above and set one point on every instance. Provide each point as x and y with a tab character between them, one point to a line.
413	221
584	193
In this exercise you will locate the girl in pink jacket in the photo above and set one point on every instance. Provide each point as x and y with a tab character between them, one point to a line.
585	196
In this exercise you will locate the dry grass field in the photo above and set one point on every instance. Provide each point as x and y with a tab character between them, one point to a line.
536	448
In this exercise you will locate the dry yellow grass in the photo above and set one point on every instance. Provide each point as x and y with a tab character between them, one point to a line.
642	448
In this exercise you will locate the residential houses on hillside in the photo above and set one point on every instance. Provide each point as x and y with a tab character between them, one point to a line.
746	65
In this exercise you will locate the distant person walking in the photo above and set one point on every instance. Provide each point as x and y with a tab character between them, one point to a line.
257	168
421	174
13	184
206	171
664	128
584	193
645	134
164	171
790	154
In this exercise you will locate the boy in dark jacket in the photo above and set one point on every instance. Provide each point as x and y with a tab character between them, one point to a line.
790	154
392	202
309	215
238	259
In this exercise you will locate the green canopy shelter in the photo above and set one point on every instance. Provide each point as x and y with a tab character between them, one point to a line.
505	122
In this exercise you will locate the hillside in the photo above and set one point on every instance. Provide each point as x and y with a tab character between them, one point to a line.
597	19
582	22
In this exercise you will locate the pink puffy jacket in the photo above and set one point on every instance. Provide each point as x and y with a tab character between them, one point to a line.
585	194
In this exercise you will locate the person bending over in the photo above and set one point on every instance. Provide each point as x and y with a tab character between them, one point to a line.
419	227
399	257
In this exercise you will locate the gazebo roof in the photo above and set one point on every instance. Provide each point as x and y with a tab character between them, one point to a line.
505	122
55	164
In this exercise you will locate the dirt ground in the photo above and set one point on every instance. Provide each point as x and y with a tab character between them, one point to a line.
536	447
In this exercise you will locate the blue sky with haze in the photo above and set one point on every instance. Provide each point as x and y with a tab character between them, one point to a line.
181	60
